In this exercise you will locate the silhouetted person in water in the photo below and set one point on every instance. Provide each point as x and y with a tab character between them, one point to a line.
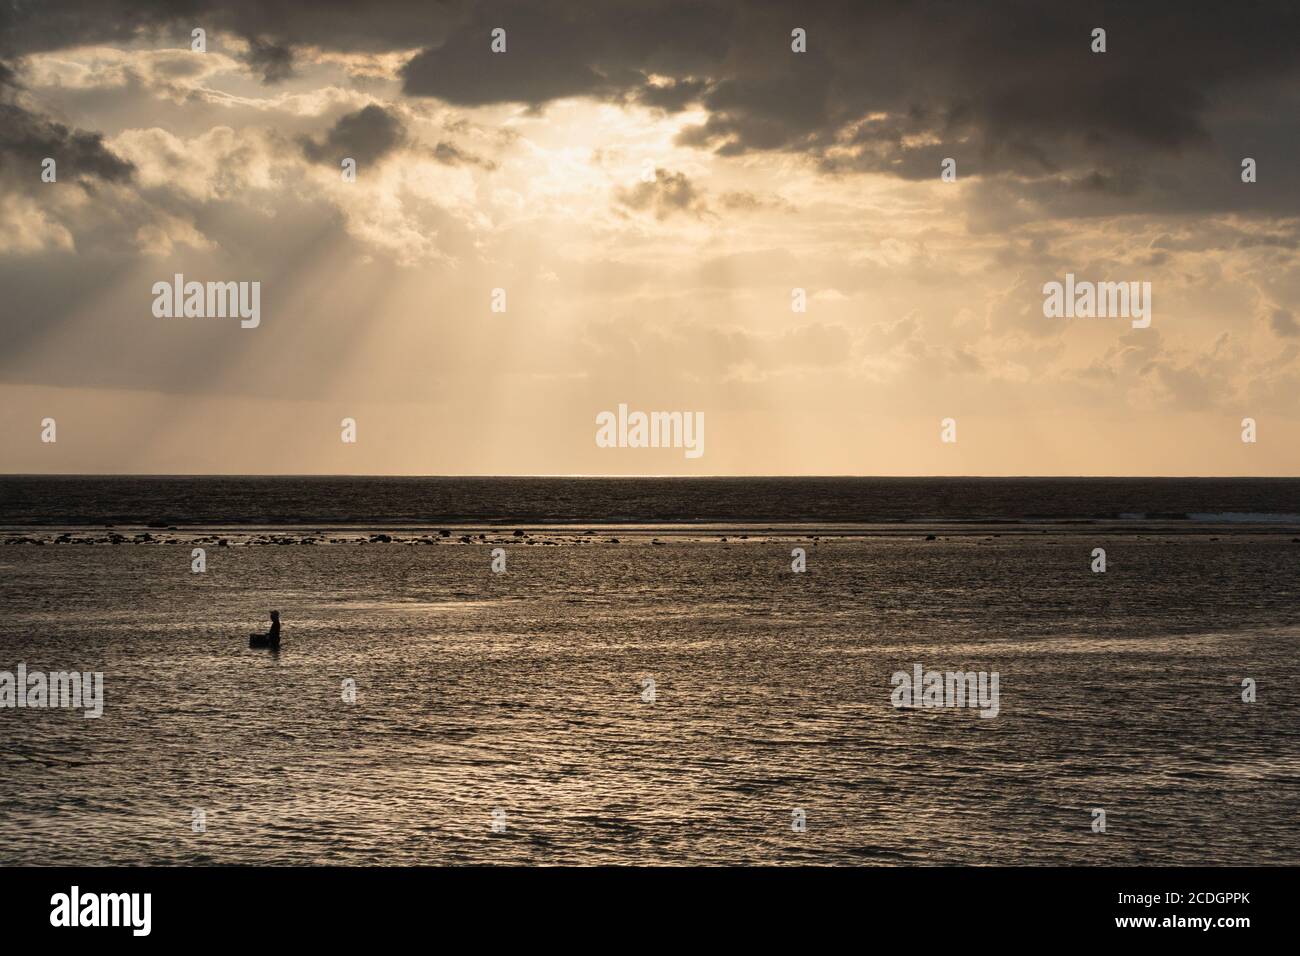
271	638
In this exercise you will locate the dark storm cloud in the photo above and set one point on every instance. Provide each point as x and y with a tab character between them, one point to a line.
27	26
27	138
672	96
33	27
367	135
571	48
1016	80
1010	88
273	60
373	133
271	28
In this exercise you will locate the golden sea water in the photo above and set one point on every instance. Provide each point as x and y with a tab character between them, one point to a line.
524	693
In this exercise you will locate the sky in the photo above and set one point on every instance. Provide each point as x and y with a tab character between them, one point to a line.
648	184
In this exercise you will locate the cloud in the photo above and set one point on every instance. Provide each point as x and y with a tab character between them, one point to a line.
366	135
745	201
452	155
667	194
564	48
671	95
1012	85
520	170
27	138
1283	323
1011	89
273	60
278	27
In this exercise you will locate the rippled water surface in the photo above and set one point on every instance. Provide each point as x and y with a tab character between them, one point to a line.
522	692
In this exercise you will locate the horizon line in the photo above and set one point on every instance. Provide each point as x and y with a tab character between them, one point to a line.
639	477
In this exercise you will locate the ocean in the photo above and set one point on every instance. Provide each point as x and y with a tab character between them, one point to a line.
378	502
648	680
